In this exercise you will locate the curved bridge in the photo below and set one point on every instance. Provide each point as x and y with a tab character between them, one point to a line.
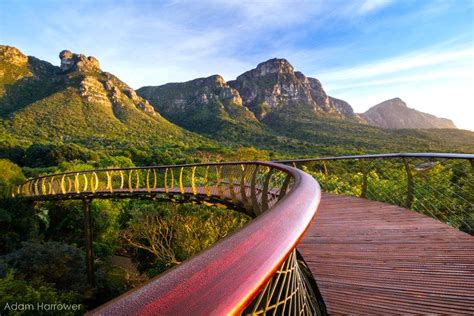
366	256
254	271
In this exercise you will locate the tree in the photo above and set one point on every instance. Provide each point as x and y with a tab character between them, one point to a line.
10	175
171	234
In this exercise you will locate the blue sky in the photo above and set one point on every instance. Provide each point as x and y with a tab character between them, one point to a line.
363	51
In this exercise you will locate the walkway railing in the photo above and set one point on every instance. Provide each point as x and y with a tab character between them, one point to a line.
253	271
256	269
439	185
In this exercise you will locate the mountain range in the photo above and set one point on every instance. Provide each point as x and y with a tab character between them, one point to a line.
270	107
272	87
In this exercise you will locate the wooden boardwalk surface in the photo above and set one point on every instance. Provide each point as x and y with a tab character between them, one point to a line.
374	258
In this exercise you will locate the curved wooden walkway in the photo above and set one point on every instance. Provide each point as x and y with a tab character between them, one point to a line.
374	258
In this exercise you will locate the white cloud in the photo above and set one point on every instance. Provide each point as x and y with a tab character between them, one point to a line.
400	63
369	6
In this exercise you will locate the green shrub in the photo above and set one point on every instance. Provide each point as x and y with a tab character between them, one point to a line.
10	175
52	262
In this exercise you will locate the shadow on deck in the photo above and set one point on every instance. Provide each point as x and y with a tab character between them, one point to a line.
374	258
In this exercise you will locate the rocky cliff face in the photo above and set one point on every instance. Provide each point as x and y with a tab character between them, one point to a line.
198	93
33	79
77	62
203	104
100	87
274	85
395	114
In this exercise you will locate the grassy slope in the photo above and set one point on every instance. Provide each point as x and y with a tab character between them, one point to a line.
333	136
38	104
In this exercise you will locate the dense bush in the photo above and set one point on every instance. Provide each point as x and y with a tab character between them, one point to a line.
19	221
10	175
39	155
51	262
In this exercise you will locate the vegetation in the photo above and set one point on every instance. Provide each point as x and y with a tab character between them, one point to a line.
42	248
162	236
21	292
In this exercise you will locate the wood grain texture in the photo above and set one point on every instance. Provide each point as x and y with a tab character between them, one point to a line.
374	258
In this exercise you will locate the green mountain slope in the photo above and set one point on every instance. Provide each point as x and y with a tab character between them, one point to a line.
209	106
205	105
78	103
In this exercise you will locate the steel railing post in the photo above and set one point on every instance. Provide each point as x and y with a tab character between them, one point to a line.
88	240
410	184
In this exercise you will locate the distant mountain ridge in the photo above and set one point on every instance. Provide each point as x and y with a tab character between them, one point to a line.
271	104
395	114
269	107
271	87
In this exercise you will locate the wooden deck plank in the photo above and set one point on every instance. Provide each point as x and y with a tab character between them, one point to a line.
374	258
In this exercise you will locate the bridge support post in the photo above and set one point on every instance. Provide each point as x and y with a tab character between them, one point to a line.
88	240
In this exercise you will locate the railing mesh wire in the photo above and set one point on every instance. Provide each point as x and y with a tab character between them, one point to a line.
438	187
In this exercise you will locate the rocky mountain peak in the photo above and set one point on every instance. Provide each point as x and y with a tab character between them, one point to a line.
77	62
219	80
211	82
195	93
395	113
12	55
204	104
395	102
274	85
274	66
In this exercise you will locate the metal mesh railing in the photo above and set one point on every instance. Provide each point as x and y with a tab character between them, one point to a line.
255	187
288	293
438	185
